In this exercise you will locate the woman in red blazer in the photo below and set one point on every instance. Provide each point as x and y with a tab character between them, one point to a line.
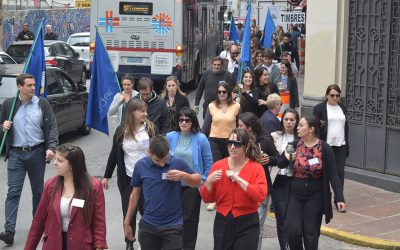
238	185
71	212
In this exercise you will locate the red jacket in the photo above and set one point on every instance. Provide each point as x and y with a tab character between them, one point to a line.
230	197
47	222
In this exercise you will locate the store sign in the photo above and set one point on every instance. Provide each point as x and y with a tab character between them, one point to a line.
82	4
293	17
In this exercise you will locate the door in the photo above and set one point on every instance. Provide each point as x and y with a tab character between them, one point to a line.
76	63
204	31
74	102
373	85
55	95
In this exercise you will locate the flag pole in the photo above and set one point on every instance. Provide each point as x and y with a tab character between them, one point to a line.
10	116
242	64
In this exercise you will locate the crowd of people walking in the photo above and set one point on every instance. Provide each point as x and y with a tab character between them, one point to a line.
167	162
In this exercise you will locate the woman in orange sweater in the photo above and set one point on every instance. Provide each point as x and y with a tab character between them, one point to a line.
220	120
238	185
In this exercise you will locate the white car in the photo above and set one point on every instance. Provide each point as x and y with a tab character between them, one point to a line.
6	59
80	42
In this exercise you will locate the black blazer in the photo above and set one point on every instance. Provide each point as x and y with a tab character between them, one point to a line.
329	178
321	113
267	146
294	92
273	88
181	101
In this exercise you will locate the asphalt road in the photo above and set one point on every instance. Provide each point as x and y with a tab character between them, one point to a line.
97	147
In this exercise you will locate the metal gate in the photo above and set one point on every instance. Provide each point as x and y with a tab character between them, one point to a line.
373	85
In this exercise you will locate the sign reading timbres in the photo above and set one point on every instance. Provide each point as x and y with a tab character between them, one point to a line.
292	17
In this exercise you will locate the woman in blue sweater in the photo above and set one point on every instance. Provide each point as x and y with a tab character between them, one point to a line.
190	144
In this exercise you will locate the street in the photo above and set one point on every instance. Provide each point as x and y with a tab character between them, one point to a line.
96	147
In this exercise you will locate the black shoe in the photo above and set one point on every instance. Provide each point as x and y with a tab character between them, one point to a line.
129	246
7	237
272	208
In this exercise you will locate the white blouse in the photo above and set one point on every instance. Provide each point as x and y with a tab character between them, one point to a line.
135	150
336	122
65	210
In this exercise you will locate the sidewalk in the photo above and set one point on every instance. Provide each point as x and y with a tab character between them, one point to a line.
373	214
372	218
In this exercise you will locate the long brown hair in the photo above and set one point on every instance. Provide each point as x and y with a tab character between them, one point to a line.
252	152
81	178
228	89
328	90
128	125
257	75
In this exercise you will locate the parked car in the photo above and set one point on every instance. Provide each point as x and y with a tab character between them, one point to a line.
58	54
80	42
68	100
6	59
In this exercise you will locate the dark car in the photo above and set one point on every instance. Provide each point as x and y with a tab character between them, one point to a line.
68	100
6	59
58	54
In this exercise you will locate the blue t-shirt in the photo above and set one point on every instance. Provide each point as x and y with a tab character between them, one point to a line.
163	199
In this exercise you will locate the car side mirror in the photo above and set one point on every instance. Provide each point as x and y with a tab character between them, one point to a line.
77	54
82	88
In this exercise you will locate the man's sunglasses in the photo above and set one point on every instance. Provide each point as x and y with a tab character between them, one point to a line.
237	144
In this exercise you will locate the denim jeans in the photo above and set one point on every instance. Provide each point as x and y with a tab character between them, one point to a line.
279	200
262	213
19	163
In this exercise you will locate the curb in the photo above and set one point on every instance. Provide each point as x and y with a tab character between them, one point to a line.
354	238
359	239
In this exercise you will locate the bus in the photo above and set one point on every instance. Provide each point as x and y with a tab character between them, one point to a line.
159	38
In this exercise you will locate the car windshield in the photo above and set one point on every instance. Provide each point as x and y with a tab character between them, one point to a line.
19	52
79	41
8	87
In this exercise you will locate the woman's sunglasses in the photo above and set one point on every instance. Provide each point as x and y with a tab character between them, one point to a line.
186	120
221	92
333	95
237	144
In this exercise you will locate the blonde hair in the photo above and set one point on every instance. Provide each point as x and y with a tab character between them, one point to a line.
272	100
164	93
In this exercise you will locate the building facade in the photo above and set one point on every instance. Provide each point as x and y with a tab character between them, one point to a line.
356	45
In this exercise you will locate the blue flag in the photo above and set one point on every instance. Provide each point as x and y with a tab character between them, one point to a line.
104	86
269	28
233	33
36	64
245	58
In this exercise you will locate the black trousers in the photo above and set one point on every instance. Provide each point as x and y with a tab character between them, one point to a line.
191	200
278	194
340	158
236	233
304	214
125	190
219	148
151	238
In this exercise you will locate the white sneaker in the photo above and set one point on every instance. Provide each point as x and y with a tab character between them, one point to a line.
211	206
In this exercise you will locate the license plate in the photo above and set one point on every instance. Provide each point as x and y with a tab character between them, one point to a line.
135	59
